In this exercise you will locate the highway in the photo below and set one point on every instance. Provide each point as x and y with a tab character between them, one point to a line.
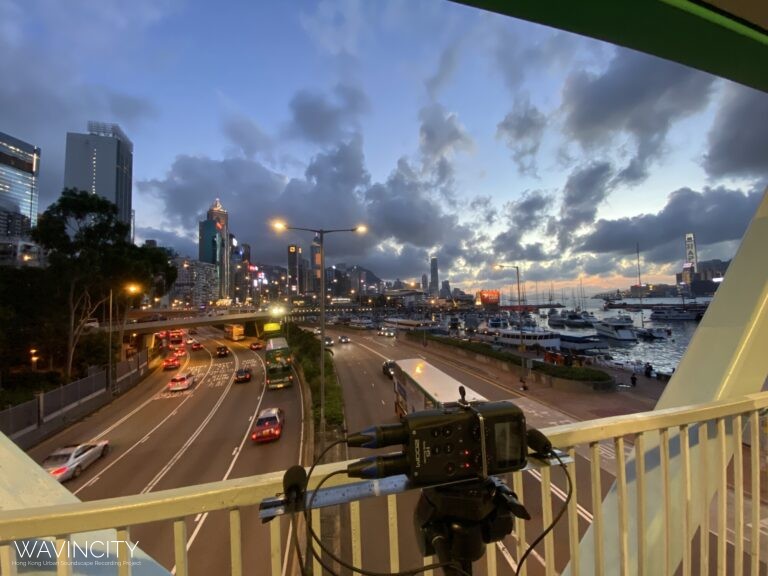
369	397
161	440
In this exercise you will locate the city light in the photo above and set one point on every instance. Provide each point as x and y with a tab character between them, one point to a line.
320	233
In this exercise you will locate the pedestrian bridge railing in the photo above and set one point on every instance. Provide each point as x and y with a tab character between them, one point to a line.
627	514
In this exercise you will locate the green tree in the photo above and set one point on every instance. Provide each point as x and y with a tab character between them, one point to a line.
81	235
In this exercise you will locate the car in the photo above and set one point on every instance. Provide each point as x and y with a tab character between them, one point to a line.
69	461
388	368
389	333
181	382
222	351
256	345
344	339
317	331
243	375
192	331
269	425
197	346
180	351
171	363
190	340
328	341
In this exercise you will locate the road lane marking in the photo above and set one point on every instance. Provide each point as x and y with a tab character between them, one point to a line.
128	451
131	413
236	455
200	515
234	451
583	512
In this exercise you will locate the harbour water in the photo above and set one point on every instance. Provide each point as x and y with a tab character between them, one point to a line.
663	355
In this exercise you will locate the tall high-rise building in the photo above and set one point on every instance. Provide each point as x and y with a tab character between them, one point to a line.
434	285
19	167
101	162
294	260
690	252
424	283
213	246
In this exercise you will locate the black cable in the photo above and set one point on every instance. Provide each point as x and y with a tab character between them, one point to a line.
296	545
352	568
559	515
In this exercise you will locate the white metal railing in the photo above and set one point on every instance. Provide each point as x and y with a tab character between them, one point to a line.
671	441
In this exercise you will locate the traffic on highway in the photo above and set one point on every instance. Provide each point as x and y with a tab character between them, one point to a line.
213	410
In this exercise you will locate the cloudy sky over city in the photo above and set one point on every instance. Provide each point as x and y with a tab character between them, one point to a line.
446	130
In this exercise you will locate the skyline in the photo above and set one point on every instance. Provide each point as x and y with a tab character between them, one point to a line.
490	140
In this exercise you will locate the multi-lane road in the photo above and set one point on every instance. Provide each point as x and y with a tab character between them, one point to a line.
163	440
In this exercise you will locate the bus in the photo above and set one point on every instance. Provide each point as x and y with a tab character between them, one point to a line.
420	386
234	331
279	363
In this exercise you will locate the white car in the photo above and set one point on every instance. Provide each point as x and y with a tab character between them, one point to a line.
317	331
69	461
181	382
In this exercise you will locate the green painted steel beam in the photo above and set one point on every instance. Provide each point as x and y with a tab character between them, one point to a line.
678	30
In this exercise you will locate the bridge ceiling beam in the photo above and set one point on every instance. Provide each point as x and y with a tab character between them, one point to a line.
696	34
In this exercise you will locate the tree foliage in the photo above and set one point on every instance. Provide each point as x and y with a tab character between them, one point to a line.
90	257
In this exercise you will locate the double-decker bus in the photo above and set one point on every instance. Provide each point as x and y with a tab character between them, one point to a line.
279	363
234	331
420	386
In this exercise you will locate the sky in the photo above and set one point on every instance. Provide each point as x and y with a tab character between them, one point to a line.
446	130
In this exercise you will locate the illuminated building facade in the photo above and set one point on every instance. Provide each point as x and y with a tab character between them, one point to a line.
19	168
214	248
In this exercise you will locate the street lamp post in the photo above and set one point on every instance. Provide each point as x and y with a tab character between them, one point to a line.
320	233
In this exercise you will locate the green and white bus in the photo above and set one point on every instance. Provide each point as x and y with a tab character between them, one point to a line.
279	363
421	386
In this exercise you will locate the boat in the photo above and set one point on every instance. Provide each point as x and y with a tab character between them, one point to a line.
652	333
616	331
529	337
619	320
673	314
574	319
556	319
498	323
581	342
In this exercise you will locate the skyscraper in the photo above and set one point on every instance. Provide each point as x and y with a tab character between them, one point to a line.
424	283
101	162
690	251
434	285
213	245
292	280
19	167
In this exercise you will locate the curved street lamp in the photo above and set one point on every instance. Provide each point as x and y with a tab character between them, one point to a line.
280	226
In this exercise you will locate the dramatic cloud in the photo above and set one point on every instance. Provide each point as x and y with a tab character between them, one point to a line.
405	208
441	134
321	120
715	215
542	52
587	187
738	140
48	96
638	95
447	66
246	135
522	129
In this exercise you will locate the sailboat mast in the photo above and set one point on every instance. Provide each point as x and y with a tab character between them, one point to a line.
640	287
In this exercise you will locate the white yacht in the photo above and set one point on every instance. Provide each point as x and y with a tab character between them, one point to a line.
616	331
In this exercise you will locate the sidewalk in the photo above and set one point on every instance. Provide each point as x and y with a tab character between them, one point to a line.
590	404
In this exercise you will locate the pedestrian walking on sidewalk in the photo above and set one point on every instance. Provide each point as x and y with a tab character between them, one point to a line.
633	380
